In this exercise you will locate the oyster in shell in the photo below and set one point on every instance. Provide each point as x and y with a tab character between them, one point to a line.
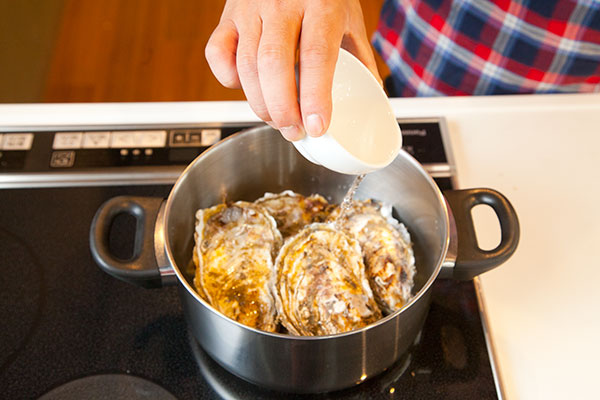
235	248
293	211
319	283
386	248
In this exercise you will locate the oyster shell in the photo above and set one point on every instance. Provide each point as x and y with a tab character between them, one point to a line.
235	248
319	283
386	248
293	211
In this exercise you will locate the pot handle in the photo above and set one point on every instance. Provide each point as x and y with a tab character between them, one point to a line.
143	268
470	259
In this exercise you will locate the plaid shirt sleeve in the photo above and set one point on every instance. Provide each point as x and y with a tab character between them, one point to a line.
481	47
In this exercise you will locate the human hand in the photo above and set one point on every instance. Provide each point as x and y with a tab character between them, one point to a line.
254	47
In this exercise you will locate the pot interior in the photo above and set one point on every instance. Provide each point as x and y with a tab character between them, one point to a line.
248	164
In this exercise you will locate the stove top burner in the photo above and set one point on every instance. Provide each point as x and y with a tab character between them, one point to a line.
109	387
21	295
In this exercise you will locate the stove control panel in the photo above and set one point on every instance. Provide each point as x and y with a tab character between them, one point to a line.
148	150
46	151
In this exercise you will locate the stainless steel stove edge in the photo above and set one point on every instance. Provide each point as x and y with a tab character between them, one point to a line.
163	175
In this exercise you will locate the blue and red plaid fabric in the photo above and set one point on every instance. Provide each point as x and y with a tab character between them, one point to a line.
480	47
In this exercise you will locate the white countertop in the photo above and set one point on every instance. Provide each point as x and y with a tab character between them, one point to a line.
542	306
543	153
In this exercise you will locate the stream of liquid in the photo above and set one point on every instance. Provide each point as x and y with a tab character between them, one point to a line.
347	201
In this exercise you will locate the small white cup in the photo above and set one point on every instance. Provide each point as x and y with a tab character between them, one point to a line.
363	135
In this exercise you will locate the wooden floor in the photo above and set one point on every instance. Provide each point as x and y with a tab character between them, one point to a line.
141	50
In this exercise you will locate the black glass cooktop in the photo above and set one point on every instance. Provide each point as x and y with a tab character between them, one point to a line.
71	331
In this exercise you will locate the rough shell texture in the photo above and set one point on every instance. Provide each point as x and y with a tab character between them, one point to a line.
386	248
319	283
235	248
293	211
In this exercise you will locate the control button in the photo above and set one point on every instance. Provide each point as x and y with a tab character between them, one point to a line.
62	159
17	141
124	152
136	152
148	152
178	138
96	140
67	140
152	138
210	137
131	139
122	139
195	139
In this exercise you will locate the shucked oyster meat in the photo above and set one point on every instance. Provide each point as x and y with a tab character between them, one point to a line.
293	211
387	251
235	248
319	283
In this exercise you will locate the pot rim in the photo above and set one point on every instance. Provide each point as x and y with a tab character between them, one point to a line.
182	279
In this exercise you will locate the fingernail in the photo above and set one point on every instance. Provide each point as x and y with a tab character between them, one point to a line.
314	125
291	132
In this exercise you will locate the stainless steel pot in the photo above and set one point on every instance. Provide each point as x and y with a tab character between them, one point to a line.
244	167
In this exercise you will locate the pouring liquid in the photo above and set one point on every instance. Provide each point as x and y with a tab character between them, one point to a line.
348	197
